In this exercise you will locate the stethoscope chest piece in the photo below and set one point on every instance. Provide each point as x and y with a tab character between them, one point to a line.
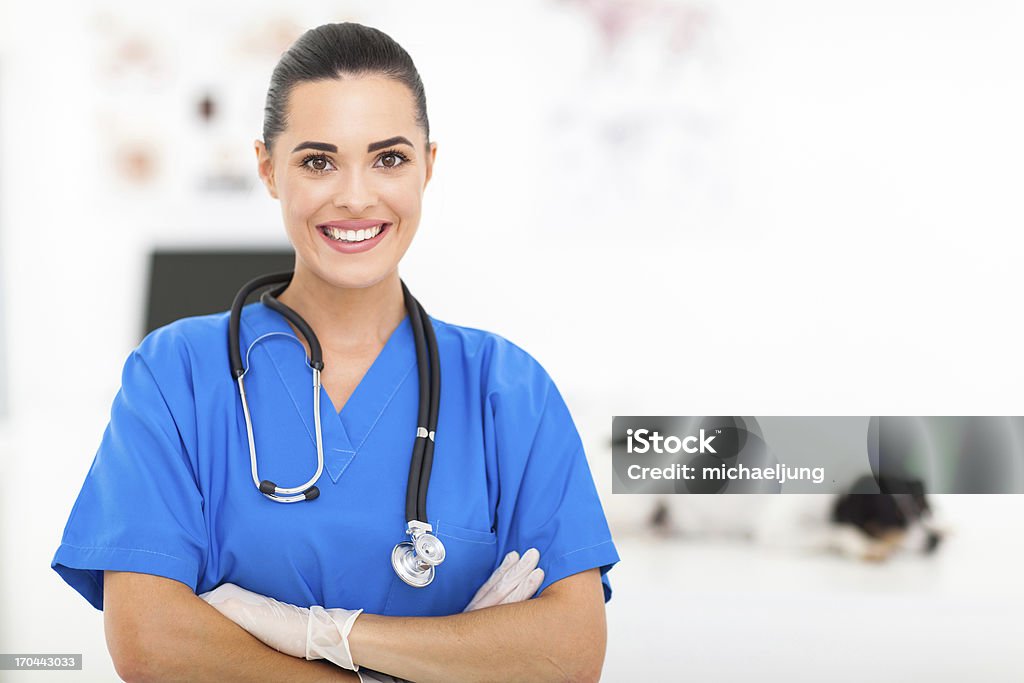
414	560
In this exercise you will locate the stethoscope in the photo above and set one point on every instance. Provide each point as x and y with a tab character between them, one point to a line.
414	560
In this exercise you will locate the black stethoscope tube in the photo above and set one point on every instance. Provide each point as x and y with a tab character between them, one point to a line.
412	508
234	322
435	401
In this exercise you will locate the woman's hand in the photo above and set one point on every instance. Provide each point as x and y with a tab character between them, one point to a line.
515	579
313	633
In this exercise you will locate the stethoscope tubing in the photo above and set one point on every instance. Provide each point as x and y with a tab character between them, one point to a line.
428	368
414	560
429	388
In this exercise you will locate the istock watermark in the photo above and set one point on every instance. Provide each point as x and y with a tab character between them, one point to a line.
642	440
815	454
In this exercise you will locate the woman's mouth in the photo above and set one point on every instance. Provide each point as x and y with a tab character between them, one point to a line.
351	241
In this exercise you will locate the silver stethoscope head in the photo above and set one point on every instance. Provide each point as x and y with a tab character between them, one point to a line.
414	561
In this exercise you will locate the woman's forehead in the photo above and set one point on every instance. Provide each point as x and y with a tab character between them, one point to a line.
351	110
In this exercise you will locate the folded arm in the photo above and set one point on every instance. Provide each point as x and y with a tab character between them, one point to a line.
157	629
318	633
558	636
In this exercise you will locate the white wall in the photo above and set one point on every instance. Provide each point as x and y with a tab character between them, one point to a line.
746	208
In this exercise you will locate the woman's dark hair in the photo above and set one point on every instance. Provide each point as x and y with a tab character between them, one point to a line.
333	51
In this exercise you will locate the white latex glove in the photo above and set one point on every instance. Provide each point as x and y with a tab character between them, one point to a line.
313	633
516	579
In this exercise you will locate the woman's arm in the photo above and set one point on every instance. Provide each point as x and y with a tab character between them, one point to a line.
557	636
158	630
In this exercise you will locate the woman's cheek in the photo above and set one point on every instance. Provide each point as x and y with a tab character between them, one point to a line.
407	204
300	214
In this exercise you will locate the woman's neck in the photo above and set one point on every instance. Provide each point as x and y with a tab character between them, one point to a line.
346	319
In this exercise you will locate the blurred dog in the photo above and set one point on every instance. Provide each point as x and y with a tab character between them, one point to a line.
860	523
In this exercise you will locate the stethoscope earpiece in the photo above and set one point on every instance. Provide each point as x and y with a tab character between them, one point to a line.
413	561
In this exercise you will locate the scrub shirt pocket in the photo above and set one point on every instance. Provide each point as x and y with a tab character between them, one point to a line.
470	558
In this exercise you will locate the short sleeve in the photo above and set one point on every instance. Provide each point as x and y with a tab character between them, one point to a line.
140	508
548	499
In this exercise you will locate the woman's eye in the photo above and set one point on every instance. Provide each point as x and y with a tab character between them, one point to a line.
317	163
392	159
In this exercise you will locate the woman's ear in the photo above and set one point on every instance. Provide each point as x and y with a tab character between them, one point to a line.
431	155
265	167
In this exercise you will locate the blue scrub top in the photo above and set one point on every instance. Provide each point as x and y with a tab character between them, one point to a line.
170	490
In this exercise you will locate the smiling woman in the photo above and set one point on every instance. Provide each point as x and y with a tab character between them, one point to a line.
197	550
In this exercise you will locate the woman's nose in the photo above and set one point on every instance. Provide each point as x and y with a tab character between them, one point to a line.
354	192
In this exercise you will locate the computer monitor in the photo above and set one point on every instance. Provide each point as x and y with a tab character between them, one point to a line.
184	283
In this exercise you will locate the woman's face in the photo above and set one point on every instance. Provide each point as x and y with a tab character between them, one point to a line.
352	151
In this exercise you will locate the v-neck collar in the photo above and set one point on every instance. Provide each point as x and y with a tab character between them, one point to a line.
344	432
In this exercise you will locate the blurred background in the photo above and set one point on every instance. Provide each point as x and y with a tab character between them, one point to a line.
678	208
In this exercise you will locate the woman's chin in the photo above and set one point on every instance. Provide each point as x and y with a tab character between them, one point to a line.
354	277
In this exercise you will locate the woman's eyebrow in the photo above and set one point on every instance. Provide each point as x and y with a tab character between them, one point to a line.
398	139
322	146
327	147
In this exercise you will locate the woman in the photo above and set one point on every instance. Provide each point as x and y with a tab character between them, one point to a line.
169	509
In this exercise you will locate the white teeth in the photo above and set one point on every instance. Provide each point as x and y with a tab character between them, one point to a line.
352	235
